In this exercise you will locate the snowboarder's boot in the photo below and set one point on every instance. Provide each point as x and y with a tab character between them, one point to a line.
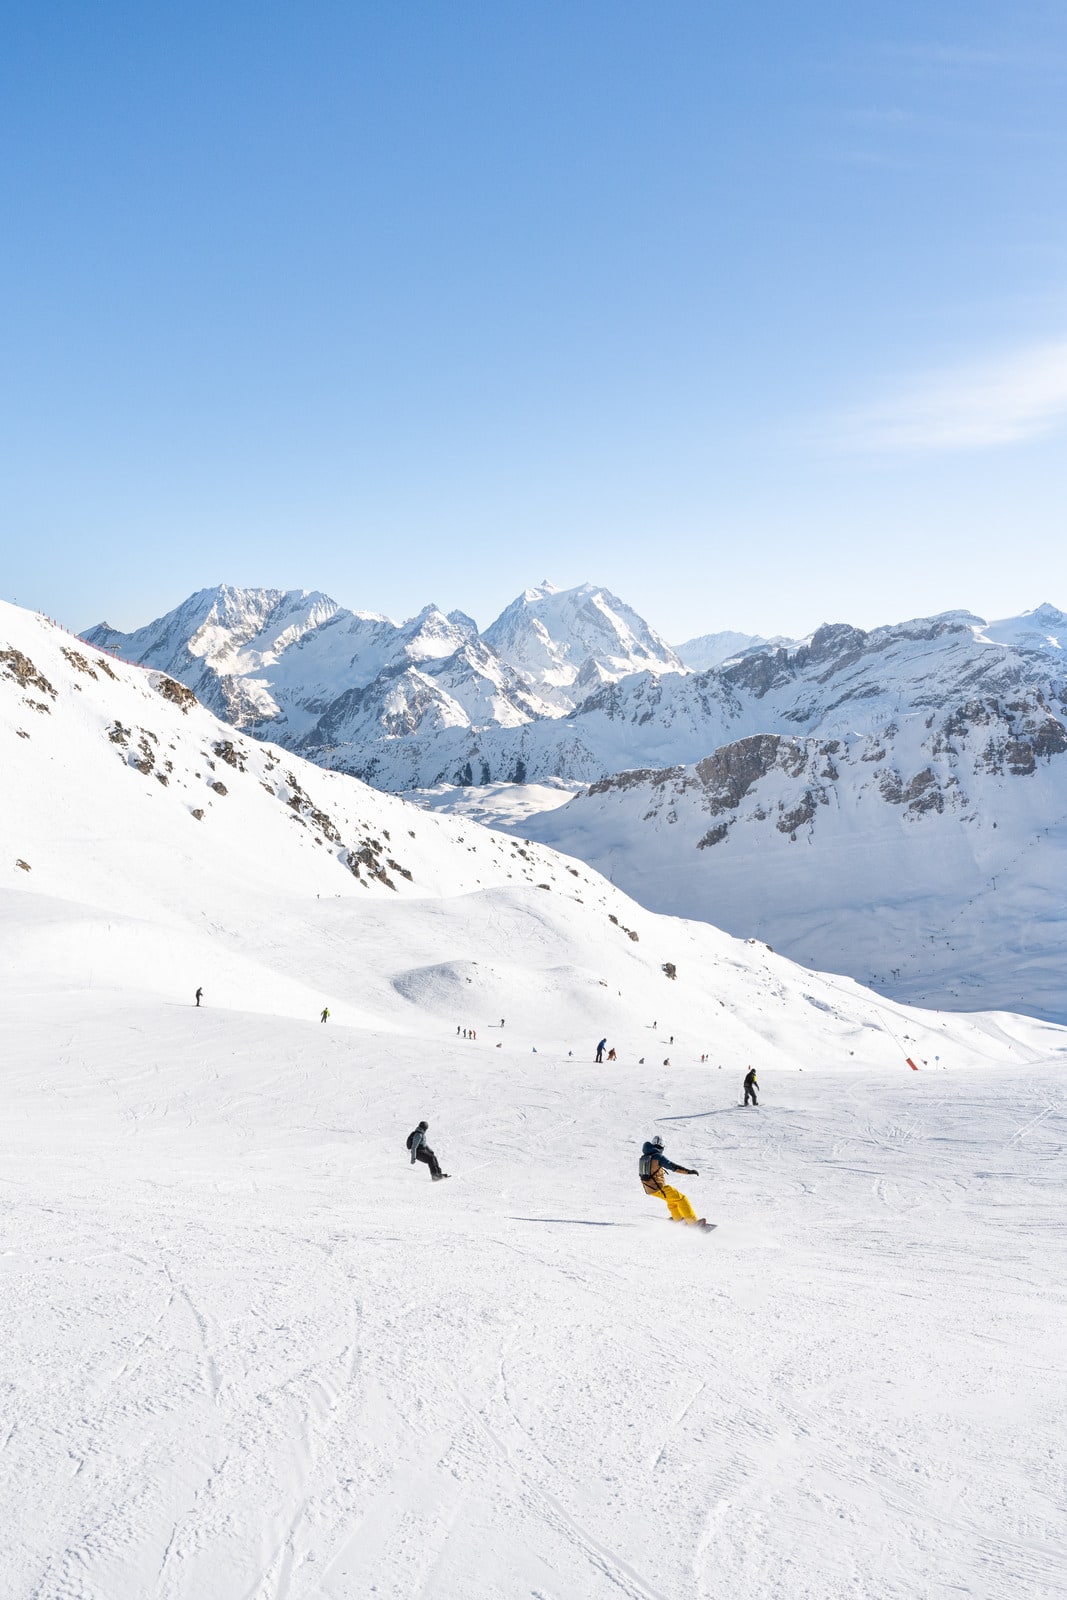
437	1176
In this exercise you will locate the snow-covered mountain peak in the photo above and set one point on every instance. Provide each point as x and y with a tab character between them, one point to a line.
712	649
214	626
431	636
550	634
1044	629
266	621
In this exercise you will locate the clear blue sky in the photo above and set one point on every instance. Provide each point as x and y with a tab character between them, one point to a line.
755	314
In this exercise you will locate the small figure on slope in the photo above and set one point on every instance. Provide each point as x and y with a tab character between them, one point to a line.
420	1151
611	1054
325	1013
751	1086
601	1047
651	1168
199	996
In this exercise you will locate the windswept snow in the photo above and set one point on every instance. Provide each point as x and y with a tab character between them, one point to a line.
251	1352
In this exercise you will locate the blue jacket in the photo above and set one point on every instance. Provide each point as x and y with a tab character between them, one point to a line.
648	1149
652	1166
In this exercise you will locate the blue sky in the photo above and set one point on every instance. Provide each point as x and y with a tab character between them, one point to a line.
755	314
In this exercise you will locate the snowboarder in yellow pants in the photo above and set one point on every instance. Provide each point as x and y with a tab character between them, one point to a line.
678	1204
652	1167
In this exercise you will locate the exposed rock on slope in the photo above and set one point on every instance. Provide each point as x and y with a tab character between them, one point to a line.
429	702
922	857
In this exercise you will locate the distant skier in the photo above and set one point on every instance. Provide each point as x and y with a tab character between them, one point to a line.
652	1167
199	996
601	1047
420	1151
751	1086
325	1013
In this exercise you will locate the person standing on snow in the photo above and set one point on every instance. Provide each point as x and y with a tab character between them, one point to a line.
199	996
601	1047
751	1086
652	1169
325	1013
420	1151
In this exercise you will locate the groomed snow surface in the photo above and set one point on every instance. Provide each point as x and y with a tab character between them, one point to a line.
251	1353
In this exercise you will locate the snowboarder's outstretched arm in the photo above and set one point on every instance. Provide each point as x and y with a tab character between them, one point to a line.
671	1166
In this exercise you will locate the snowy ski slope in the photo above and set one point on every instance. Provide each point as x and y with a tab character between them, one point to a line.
252	1354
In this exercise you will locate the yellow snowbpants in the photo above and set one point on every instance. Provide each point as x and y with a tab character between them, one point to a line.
678	1204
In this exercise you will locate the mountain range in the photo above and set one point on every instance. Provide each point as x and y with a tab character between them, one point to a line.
856	798
318	677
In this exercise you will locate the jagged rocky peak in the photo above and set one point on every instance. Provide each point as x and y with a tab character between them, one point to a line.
213	624
431	635
832	640
272	619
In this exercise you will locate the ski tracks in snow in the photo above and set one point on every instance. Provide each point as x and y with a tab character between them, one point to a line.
252	1370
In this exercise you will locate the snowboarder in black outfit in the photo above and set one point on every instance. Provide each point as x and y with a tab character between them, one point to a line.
199	995
751	1086
420	1151
601	1047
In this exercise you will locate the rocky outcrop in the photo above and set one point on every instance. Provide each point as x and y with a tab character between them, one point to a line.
13	664
730	773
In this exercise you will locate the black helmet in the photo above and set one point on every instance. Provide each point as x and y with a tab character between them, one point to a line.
424	1124
657	1141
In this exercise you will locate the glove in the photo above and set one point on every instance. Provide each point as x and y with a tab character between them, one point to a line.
692	1172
